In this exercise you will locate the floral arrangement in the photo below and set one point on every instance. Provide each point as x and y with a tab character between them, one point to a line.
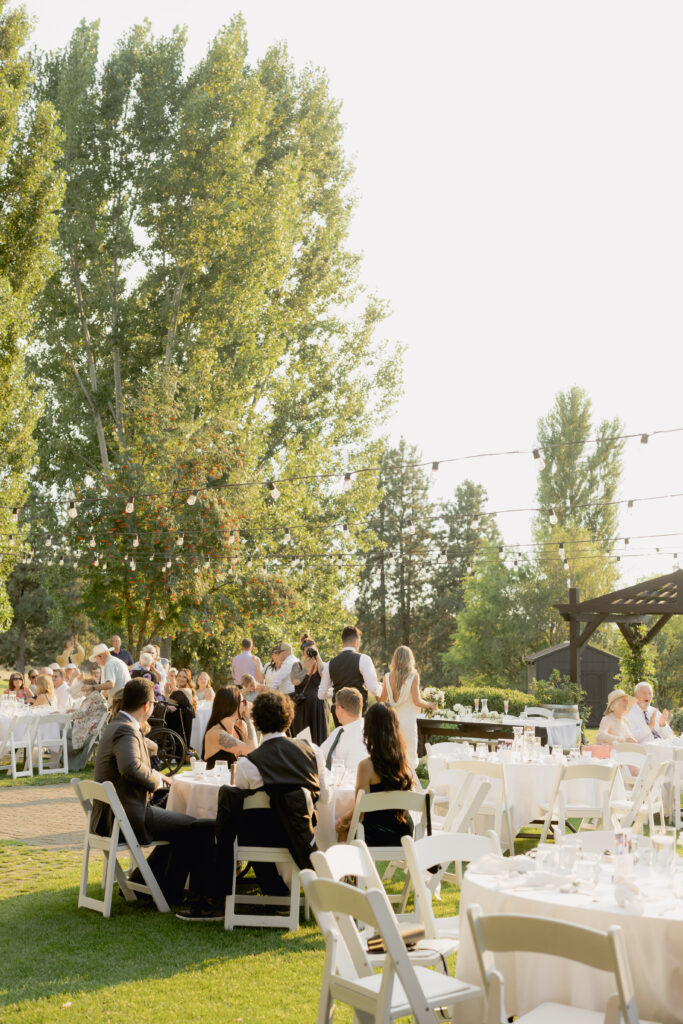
435	696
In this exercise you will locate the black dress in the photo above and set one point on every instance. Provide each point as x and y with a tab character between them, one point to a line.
383	828
220	755
310	710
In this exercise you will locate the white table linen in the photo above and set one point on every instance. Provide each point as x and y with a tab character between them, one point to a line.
654	943
25	719
199	723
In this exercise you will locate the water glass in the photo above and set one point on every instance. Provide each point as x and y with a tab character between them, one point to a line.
664	849
546	857
643	853
568	853
468	710
587	870
481	750
557	753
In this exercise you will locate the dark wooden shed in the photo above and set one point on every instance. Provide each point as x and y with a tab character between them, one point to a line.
598	671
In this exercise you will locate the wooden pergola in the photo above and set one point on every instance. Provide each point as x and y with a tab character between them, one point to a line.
656	599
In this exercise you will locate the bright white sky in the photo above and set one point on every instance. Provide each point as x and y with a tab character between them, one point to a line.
520	170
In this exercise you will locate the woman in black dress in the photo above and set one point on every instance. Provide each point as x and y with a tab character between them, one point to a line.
229	717
310	711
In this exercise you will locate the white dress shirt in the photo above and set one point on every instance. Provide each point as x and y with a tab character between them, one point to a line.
63	696
281	680
247	775
351	749
366	669
642	730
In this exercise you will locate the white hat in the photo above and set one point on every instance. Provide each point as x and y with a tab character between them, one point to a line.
54	667
99	649
616	695
69	665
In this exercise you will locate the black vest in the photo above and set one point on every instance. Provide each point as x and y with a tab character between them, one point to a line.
287	764
345	671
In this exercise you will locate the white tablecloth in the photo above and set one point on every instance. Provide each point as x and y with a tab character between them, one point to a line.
199	798
654	943
663	750
530	787
202	715
27	717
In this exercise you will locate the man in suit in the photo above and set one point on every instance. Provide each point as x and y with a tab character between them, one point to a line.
350	668
123	759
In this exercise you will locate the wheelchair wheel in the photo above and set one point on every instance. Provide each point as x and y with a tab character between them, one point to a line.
171	752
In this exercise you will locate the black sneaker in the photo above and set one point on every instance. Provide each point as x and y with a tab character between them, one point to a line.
201	910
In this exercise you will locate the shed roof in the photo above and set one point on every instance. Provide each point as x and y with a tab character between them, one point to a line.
529	658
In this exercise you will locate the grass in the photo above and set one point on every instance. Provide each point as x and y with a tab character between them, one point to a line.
46	780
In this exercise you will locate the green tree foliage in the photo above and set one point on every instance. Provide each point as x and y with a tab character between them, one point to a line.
637	663
30	191
206	327
575	472
668	647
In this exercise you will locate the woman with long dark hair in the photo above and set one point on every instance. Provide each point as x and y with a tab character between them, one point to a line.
229	732
387	769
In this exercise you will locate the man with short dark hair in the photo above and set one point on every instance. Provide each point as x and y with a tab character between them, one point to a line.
349	668
62	693
123	759
247	664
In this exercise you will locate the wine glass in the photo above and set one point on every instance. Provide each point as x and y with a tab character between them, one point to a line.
506	705
476	705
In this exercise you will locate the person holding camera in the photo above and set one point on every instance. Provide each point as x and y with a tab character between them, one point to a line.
310	712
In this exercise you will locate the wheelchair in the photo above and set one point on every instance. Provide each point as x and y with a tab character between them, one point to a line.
173	743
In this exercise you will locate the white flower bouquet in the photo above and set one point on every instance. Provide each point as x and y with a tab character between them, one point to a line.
435	696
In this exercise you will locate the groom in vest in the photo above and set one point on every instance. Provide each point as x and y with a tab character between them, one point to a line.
349	668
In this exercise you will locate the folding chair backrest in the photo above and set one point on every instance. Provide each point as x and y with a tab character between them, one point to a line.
394	800
506	933
443	749
589	770
466	794
87	791
598	841
623	747
632	758
646	787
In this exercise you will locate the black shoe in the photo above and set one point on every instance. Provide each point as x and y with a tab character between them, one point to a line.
201	910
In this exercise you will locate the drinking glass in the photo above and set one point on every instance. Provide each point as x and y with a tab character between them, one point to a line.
481	750
546	857
643	853
484	705
506	705
476	705
468	710
587	870
664	849
568	853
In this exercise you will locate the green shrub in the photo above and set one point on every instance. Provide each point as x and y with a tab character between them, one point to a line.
676	722
494	694
559	689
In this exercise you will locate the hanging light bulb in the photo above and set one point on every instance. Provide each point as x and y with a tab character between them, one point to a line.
191	498
72	511
97	561
539	458
476	521
169	563
49	561
104	566
15	515
627	541
180	539
151	558
411	527
91	542
11	540
126	557
288	535
468	568
561	549
133	566
274	493
163	568
345	531
230	570
196	569
207	562
136	541
443	557
435	469
48	542
347	481
566	564
61	559
516	563
501	551
231	537
340	562
292	564
644	438
130	506
552	516
629	504
249	562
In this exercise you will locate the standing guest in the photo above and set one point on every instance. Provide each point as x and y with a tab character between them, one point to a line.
247	662
614	725
281	680
268	674
205	691
61	690
647	723
187	686
120	652
345	743
115	674
71	652
298	671
229	732
387	769
310	712
401	690
349	668
45	693
123	759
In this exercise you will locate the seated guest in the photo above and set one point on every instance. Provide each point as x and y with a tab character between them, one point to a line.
18	687
646	722
387	769
114	674
248	687
61	689
229	732
45	694
346	743
186	685
614	726
171	683
123	759
205	691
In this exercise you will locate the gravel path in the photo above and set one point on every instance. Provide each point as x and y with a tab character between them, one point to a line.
42	816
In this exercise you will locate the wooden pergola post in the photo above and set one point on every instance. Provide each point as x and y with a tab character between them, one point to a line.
574	664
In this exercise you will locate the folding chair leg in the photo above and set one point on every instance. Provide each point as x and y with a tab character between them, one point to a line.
110	871
151	882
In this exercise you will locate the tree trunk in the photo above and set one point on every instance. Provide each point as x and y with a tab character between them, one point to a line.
21	647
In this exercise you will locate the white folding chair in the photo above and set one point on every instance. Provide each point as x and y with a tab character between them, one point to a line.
437	756
597	811
512	933
401	989
394	800
440	851
54	745
19	740
532	712
121	841
676	782
346	861
263	855
630	764
590	841
496	805
646	799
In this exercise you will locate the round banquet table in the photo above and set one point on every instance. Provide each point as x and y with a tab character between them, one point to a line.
654	943
27	716
198	797
530	787
199	722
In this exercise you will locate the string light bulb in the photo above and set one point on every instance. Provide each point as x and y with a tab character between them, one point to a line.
274	493
552	517
130	507
48	542
15	515
627	541
192	498
196	569
207	562
91	542
539	458
169	563
644	438
11	540
561	549
136	541
288	535
435	469
231	537
443	557
96	563
133	565
501	551
180	539
476	521
347	481
629	504
346	531
468	568
566	564
411	527
72	510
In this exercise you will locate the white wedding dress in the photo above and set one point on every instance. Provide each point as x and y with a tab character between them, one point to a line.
407	715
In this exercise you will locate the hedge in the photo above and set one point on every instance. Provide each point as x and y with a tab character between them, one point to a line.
494	694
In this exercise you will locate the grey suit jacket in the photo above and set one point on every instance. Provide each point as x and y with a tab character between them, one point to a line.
123	758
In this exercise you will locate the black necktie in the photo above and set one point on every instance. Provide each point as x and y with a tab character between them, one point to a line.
330	752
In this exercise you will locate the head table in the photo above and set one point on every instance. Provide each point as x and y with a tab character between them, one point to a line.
653	932
561	732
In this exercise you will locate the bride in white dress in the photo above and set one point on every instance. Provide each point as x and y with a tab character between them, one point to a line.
401	690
